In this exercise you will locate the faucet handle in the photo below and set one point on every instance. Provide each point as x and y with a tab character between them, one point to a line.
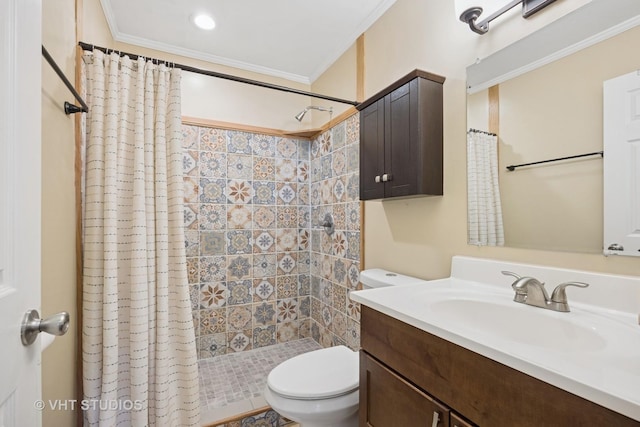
559	294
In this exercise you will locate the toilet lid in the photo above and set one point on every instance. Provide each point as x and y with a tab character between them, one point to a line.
318	374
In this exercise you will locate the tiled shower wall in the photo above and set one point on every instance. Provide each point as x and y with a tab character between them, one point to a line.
247	226
335	258
261	269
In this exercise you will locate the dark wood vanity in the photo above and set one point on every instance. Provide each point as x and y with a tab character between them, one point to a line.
408	377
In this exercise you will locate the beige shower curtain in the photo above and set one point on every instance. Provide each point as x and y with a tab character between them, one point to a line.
138	345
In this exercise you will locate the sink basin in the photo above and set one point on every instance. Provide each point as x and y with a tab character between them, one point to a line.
520	323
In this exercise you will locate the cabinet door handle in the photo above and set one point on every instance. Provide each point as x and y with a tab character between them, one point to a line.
386	177
436	419
377	178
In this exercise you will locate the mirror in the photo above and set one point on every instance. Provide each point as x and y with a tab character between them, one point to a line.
549	97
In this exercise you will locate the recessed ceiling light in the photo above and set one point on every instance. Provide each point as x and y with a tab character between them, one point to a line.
204	22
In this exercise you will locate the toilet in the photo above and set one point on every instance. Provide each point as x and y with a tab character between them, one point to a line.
320	388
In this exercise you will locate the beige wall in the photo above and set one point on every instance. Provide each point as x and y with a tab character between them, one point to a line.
58	208
419	236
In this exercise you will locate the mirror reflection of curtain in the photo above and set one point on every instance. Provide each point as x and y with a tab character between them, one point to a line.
484	214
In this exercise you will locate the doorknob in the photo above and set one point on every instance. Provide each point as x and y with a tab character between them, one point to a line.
32	325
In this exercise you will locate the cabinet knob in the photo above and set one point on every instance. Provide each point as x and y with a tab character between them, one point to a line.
386	177
377	179
436	419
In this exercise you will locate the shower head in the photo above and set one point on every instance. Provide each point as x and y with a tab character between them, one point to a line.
301	114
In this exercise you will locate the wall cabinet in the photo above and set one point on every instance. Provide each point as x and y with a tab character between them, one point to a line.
401	139
408	374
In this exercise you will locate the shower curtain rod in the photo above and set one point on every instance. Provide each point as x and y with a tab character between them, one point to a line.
68	107
87	46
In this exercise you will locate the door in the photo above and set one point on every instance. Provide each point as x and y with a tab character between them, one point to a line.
622	165
20	63
372	151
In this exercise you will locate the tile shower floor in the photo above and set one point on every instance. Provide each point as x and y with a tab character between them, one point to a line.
232	384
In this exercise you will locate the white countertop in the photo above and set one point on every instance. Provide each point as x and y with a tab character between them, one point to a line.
592	351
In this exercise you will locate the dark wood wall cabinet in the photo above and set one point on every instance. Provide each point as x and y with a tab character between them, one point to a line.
409	377
401	139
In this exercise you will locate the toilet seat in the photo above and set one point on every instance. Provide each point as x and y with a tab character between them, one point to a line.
319	374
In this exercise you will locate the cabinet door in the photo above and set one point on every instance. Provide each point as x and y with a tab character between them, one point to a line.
387	400
372	151
401	140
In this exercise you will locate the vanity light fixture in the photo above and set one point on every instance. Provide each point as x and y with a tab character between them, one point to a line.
470	15
204	21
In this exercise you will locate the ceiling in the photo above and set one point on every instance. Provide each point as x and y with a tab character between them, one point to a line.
293	39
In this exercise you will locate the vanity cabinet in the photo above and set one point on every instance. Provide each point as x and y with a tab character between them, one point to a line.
401	139
407	374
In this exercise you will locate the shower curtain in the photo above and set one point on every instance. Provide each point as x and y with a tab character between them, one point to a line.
138	345
484	213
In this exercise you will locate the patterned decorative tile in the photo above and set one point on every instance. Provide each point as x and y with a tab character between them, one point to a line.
287	309
353	129
264	265
264	241
315	170
240	217
304	149
305	328
287	193
264	336
194	295
316	311
190	189
286	170
190	137
304	262
353	216
240	267
240	292
340	272
239	317
239	191
304	308
339	164
339	135
212	217
339	325
326	292
212	139
212	321
190	162
213	268
240	166
213	295
339	244
316	238
212	345
340	216
192	243
264	193
325	166
287	331
304	217
193	270
287	263
303	193
239	341
326	145
264	313
326	192
264	169
286	148
213	164
315	331
354	275
287	217
353	334
263	145
315	148
327	315
286	287
264	216
326	243
339	191
353	310
302	173
239	242
190	216
339	295
304	239
286	239
212	243
353	245
195	316
212	190
264	289
238	142
353	187
353	158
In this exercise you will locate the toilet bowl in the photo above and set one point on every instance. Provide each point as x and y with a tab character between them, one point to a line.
320	388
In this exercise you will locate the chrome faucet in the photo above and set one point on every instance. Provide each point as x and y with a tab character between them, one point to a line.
531	291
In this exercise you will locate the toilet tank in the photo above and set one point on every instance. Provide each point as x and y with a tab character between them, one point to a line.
378	278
